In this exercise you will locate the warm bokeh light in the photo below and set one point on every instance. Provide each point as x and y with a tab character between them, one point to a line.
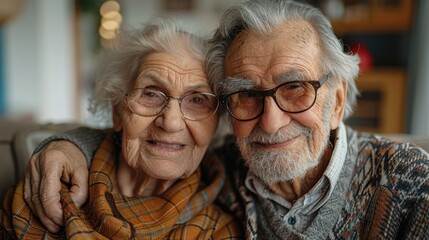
109	24
108	7
111	20
106	34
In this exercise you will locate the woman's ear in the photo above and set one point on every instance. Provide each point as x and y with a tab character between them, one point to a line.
117	117
339	105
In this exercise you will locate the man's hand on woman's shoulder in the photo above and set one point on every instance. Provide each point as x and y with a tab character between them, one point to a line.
57	160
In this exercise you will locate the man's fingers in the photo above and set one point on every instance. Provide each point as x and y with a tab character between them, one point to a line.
79	187
56	162
28	191
32	183
31	193
46	221
50	187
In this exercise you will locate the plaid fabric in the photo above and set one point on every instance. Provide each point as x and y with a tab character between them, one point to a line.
185	211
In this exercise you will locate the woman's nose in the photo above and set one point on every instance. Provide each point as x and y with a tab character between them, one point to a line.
171	119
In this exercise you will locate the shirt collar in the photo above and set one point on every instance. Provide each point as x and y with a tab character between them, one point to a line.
338	157
331	173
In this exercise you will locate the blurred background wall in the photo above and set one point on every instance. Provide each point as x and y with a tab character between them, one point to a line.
38	61
48	50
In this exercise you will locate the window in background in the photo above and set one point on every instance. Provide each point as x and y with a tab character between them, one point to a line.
2	103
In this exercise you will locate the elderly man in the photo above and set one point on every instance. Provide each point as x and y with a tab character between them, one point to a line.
298	172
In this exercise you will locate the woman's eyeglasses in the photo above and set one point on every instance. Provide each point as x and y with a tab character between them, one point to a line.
193	106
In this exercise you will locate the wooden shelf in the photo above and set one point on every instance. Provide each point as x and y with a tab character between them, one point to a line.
380	107
9	9
376	18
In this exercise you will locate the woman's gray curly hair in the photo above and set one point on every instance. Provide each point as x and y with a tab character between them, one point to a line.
262	17
119	65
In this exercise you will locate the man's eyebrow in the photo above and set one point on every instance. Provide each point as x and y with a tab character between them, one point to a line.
233	84
290	76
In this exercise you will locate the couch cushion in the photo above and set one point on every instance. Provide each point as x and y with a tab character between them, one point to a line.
17	142
26	140
8	168
7	172
421	141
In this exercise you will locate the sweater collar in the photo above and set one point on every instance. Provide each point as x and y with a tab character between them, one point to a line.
325	184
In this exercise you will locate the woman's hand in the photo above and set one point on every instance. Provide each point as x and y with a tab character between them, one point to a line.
56	162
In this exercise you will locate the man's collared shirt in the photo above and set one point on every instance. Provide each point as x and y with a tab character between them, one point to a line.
300	213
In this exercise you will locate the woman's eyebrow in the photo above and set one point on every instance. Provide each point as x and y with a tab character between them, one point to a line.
198	88
151	76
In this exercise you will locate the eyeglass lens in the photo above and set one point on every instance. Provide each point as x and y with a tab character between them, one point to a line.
291	97
150	102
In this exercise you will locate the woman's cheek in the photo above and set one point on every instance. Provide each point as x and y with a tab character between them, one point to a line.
207	131
130	151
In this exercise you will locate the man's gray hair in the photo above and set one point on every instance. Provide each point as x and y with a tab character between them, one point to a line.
262	16
120	64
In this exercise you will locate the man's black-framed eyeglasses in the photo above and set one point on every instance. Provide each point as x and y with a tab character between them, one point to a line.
194	106
291	97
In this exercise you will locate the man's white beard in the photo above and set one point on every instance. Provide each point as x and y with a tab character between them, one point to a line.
284	166
281	166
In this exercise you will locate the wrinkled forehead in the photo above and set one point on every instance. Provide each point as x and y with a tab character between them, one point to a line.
295	43
172	72
297	32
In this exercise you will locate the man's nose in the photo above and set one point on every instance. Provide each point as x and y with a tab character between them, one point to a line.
273	118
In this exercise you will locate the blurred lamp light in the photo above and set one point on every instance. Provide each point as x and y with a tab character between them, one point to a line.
106	34
109	24
116	17
109	6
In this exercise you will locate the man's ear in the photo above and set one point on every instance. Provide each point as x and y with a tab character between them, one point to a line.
339	105
117	118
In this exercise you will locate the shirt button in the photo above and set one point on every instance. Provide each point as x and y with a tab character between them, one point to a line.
291	220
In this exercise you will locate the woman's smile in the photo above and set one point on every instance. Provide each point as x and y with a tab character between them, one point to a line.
168	146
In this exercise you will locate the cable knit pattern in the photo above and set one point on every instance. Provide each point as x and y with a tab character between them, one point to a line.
382	193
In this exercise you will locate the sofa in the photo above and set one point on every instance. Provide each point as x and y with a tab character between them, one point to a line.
18	139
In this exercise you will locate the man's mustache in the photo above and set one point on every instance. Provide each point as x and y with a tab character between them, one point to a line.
293	130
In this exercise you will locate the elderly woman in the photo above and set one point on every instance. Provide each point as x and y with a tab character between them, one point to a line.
145	180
